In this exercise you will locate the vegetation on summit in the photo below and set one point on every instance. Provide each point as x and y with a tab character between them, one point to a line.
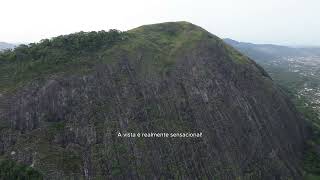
67	53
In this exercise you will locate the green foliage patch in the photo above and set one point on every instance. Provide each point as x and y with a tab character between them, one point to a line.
311	163
10	169
72	53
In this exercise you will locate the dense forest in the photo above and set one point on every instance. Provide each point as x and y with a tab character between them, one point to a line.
66	53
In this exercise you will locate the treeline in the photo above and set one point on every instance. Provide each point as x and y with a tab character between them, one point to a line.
64	46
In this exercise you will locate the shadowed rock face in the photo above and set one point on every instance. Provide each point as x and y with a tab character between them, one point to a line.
188	81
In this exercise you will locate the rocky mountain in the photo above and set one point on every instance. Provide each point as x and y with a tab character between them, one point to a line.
65	100
4	45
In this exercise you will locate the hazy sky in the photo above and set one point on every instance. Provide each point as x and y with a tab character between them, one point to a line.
288	22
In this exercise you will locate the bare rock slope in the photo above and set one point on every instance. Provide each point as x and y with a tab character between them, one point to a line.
169	77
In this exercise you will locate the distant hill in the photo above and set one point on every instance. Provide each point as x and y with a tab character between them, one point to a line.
291	67
4	45
261	52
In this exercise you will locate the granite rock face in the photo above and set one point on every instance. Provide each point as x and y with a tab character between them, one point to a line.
189	81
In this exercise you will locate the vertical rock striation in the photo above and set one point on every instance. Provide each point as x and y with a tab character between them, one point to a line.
169	77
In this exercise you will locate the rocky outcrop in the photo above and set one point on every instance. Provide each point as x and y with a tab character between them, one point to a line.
67	126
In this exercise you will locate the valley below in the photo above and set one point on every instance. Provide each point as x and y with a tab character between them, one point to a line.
297	72
300	74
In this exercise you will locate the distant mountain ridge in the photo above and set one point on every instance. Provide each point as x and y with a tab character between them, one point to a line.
4	45
271	51
295	69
